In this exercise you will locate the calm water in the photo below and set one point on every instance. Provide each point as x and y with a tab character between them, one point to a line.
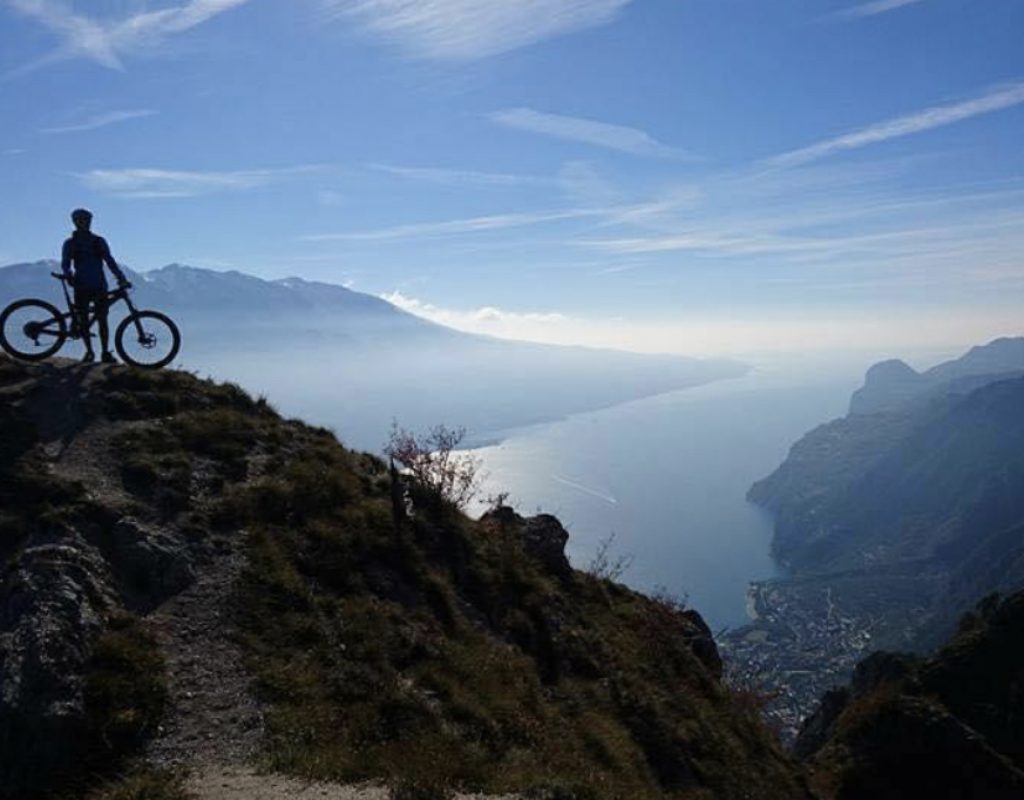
668	475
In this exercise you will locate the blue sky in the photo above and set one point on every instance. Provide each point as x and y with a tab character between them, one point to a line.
671	175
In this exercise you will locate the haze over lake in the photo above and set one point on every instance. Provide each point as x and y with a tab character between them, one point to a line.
668	475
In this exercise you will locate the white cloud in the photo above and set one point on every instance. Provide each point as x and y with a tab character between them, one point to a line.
486	319
935	117
459	30
586	131
456	226
100	121
462	177
106	42
874	8
746	332
153	183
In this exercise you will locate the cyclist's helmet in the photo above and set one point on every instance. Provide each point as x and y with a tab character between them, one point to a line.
81	216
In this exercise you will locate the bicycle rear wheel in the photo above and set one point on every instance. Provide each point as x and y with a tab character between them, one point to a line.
32	330
147	339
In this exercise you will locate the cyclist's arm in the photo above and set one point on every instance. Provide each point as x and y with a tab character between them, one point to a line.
108	259
65	259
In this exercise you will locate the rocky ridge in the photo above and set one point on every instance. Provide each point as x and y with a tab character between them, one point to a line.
193	583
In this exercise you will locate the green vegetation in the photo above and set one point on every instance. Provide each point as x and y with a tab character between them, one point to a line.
142	785
943	726
430	651
125	692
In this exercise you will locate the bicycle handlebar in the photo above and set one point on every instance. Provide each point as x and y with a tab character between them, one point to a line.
121	286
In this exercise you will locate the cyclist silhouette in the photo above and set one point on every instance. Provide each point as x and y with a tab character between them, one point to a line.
89	252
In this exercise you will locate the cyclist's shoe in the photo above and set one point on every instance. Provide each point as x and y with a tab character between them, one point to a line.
108	358
89	357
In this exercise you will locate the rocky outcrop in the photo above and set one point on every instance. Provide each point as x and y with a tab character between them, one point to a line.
54	600
152	565
947	726
545	539
892	385
887	385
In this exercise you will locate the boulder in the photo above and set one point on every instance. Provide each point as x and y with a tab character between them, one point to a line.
544	539
53	602
151	565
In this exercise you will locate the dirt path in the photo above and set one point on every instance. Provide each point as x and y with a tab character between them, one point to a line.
212	729
225	783
213	718
245	784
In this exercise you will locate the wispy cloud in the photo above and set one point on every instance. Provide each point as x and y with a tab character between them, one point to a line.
100	121
462	177
874	8
458	30
586	131
106	42
456	226
835	227
156	183
484	319
928	119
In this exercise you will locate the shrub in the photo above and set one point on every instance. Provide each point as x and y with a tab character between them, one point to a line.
434	463
419	790
607	566
144	785
125	693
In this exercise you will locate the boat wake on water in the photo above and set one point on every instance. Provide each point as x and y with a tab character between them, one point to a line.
586	490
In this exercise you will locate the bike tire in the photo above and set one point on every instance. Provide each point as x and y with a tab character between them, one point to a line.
48	314
138	318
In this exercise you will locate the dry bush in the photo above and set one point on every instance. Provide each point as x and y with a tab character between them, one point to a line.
434	462
606	565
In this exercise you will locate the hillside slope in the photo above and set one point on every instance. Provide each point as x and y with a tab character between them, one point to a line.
892	523
193	582
935	489
947	726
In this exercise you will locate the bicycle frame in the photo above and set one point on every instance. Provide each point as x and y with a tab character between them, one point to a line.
73	318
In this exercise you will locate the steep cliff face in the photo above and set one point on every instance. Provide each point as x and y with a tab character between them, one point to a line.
892	524
931	489
193	581
951	725
933	484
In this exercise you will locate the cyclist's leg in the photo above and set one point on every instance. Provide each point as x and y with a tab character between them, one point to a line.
102	305
82	299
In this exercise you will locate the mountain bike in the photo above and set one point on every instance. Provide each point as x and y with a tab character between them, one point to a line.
34	330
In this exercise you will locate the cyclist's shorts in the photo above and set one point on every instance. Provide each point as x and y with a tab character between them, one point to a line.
98	297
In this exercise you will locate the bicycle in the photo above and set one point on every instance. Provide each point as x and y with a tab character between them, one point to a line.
34	330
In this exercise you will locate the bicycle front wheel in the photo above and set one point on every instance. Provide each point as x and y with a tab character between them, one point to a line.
147	339
32	330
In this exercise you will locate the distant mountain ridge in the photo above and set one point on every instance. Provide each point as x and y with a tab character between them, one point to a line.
209	297
935	482
891	523
356	362
891	384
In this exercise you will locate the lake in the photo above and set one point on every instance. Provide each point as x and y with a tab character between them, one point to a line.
667	477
